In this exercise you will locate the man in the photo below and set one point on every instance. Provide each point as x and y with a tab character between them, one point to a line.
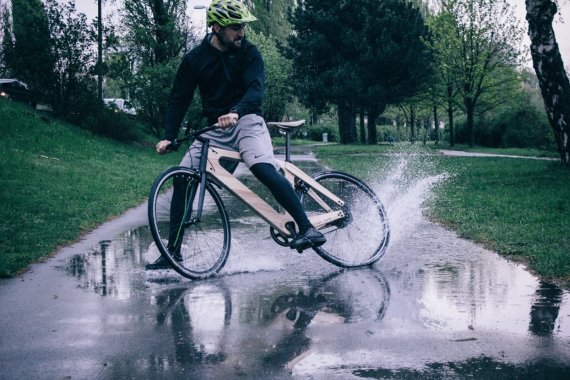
229	73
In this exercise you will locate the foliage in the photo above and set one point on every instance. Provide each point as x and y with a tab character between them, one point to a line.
153	36
475	42
277	73
155	31
50	47
109	122
315	132
520	121
27	46
272	17
524	127
72	48
378	60
152	85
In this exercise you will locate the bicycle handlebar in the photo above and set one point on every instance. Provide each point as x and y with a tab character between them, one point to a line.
176	143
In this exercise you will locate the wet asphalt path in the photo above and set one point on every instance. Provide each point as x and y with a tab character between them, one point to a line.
435	306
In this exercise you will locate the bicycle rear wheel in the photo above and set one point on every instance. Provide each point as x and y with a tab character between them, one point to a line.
361	237
195	248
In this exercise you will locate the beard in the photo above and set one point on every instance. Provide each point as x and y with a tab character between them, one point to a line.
231	44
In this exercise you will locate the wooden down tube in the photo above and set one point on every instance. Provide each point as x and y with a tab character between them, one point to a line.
274	218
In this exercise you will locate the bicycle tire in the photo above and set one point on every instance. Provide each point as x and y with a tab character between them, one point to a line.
359	239
203	245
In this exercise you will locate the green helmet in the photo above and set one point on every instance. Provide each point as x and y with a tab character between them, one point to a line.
228	12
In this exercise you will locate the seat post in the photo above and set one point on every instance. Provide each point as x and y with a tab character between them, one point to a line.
287	145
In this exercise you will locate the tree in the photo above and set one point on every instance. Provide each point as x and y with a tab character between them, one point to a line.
395	63
155	34
476	44
272	17
357	54
72	47
444	49
27	46
550	71
277	73
7	41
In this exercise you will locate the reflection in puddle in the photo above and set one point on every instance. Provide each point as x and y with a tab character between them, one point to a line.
113	267
545	309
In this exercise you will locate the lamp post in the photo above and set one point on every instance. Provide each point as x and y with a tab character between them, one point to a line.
99	52
205	8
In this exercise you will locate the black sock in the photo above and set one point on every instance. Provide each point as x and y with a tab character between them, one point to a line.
283	193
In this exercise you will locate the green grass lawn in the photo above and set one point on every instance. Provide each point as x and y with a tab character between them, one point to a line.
517	207
58	182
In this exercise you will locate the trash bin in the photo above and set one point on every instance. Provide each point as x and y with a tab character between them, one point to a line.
325	137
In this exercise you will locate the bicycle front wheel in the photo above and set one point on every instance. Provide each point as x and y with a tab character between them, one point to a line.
361	237
196	246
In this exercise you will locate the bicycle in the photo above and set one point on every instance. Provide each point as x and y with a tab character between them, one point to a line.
344	208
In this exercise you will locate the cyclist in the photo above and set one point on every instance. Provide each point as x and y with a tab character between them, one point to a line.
229	73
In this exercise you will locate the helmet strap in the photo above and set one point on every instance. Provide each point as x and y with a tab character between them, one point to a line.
221	42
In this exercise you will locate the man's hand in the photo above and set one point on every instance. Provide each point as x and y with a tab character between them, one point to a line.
161	147
228	120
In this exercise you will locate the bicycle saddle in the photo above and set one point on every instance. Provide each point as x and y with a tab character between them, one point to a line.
286	125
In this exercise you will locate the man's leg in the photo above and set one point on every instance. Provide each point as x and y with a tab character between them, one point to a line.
254	145
180	194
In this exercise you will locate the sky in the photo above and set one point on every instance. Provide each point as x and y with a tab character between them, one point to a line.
561	28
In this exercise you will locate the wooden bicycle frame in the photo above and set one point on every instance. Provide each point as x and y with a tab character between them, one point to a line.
274	218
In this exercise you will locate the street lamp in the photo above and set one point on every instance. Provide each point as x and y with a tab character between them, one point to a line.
205	8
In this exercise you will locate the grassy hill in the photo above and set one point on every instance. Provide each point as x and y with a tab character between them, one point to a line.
58	182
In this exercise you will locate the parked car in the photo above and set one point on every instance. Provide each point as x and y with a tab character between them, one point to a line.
120	104
17	91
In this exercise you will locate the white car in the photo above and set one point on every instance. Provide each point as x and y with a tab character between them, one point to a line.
120	105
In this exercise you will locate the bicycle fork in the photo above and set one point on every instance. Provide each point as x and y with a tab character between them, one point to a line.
188	219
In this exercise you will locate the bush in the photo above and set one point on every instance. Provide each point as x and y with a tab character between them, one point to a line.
315	132
111	124
389	133
104	121
510	128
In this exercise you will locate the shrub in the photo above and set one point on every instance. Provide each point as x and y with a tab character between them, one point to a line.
387	133
510	128
315	132
107	122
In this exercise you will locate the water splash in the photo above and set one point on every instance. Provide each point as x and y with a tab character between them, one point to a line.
404	189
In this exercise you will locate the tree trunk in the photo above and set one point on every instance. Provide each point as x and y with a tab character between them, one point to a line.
549	69
346	123
372	134
362	128
470	110
450	115
436	125
412	125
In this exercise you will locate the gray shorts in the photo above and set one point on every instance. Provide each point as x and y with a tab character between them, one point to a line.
249	137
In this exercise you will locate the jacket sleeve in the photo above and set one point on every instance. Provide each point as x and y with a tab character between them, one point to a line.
253	80
180	98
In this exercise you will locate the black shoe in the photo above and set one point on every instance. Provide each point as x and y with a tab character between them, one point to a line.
311	238
160	263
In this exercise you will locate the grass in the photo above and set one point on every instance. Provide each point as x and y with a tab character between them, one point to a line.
59	182
516	207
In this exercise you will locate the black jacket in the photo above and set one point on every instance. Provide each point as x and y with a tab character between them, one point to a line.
232	80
